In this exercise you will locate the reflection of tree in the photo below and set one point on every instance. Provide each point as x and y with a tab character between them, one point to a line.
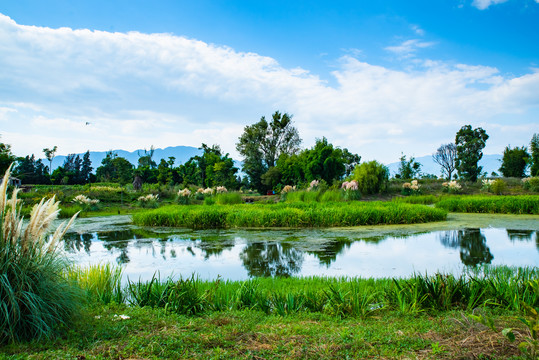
472	244
329	251
74	242
214	248
271	259
520	235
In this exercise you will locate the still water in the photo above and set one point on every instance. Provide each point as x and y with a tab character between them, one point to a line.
376	251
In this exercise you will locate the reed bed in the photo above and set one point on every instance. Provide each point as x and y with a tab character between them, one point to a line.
525	204
493	287
295	215
418	199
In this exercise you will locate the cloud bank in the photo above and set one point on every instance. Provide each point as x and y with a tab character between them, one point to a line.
137	90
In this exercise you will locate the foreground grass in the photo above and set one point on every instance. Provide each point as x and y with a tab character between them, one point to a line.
289	215
527	204
248	334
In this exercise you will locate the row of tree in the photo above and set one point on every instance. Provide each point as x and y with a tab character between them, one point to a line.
272	158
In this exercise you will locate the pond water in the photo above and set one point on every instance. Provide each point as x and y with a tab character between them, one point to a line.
376	251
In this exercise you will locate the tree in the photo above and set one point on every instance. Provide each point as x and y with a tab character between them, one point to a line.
371	177
86	168
262	143
470	144
445	157
146	159
408	169
534	148
49	154
323	161
6	157
31	171
514	162
115	169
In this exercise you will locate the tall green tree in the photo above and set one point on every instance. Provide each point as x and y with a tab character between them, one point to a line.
86	168
470	144
514	162
115	168
31	171
262	143
6	158
534	149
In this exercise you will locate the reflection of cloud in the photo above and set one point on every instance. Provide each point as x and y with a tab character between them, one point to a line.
140	89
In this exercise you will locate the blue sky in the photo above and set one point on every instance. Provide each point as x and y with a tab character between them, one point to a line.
379	78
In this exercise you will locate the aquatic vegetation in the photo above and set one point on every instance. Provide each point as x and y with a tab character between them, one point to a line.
102	282
524	204
148	201
35	297
288	215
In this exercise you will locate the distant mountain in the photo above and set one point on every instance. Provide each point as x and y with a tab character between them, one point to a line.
489	163
181	153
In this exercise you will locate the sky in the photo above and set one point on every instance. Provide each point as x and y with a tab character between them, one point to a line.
380	78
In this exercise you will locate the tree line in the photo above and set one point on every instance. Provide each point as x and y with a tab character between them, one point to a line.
272	158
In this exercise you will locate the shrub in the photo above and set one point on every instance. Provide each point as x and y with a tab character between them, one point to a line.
371	177
498	186
35	297
228	198
531	184
148	201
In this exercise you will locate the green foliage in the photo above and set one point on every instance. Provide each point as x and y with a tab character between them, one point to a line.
115	169
498	187
417	199
526	204
102	282
228	199
514	162
6	157
35	298
534	157
371	177
531	184
408	169
470	144
288	215
262	143
31	171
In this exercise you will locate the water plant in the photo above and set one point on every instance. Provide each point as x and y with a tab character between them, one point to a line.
35	297
524	204
288	215
102	282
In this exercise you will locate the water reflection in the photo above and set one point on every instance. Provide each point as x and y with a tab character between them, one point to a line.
271	259
239	254
471	243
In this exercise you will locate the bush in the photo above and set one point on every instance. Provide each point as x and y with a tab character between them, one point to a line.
35	297
228	199
371	177
531	184
498	187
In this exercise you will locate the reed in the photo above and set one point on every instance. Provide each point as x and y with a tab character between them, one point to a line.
525	204
102	282
293	215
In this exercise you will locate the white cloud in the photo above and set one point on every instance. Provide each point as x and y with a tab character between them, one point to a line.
484	4
420	31
408	48
138	90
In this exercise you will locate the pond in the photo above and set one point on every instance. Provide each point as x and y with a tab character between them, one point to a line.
367	251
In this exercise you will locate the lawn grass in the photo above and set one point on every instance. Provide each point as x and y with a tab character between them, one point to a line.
295	215
250	334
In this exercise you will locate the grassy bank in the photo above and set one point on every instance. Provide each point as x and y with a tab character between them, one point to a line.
295	318
527	204
288	215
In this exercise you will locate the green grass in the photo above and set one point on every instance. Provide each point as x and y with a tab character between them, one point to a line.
297	318
294	215
418	199
525	204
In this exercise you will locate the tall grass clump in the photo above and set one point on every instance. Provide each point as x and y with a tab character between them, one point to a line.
36	299
228	199
525	204
102	282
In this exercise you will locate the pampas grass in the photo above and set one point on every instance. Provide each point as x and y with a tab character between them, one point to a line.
35	298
